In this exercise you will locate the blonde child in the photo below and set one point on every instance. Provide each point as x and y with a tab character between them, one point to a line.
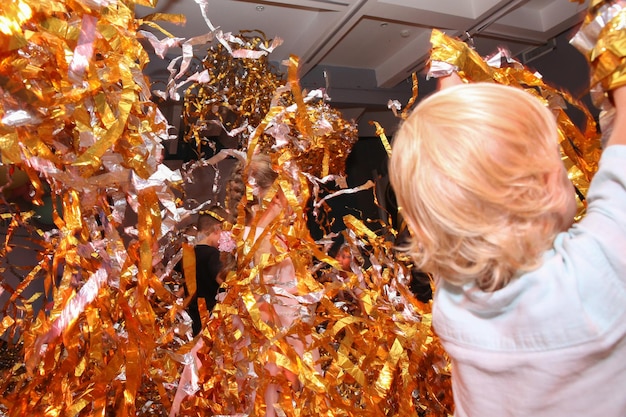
530	308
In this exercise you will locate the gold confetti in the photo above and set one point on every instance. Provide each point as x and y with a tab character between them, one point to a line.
111	339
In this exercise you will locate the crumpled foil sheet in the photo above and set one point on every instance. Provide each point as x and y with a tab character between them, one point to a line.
601	39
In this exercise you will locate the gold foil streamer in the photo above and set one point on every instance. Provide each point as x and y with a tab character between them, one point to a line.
385	359
78	120
601	40
413	99
13	16
380	132
237	93
121	347
457	56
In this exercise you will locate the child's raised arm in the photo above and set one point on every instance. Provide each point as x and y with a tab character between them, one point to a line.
448	81
618	133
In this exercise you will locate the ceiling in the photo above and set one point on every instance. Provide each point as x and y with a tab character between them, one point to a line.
365	51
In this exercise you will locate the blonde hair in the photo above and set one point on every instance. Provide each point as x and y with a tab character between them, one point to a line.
260	171
480	183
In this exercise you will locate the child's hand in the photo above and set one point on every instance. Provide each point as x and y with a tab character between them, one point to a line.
449	81
617	128
619	98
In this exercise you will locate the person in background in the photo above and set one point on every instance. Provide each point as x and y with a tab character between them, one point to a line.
208	262
277	294
344	257
348	296
530	308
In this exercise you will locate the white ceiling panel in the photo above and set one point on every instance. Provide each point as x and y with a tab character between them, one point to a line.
543	15
470	9
372	42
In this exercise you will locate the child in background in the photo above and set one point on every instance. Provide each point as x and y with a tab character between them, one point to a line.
344	257
208	262
351	296
277	297
531	310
